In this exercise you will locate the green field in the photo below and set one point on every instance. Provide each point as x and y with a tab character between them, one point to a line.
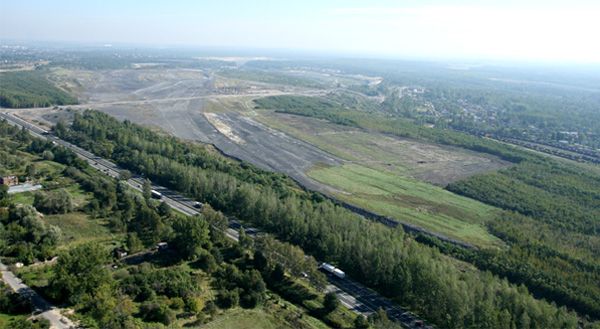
261	318
78	227
411	201
246	319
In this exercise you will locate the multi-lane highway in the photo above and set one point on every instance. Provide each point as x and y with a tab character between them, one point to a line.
352	295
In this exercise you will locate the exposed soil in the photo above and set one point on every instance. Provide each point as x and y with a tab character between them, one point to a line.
437	164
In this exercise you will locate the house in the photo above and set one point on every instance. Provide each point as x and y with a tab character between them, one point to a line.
9	180
120	253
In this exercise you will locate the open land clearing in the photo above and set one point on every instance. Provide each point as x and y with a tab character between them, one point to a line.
436	164
384	174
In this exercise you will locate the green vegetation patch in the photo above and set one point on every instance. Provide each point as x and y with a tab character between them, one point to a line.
247	319
30	89
411	201
78	227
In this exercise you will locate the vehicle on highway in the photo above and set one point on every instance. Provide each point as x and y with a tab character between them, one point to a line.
197	204
155	194
333	270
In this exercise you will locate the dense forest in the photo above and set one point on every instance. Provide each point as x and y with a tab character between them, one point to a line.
558	201
429	283
30	89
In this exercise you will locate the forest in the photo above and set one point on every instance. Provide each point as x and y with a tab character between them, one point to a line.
434	286
22	89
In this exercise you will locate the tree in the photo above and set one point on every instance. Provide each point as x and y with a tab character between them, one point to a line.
228	298
3	193
31	170
191	234
79	272
124	175
60	128
27	236
53	202
330	302
147	189
360	322
218	223
260	261
48	155
244	240
148	225
157	311
21	323
134	244
164	210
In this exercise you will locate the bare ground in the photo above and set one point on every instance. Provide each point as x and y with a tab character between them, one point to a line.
437	164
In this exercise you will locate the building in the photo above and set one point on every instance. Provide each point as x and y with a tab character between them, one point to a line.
162	246
119	253
9	180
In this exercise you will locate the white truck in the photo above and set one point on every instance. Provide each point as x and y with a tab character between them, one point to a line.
333	270
155	194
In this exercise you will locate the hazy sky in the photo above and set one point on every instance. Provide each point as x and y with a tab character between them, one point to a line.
527	29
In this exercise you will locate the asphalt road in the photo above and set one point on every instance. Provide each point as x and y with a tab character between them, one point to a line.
352	295
45	309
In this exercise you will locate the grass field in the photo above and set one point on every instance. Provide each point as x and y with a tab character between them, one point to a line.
246	319
78	227
411	201
265	317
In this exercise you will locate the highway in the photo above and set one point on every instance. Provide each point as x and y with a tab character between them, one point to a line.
352	294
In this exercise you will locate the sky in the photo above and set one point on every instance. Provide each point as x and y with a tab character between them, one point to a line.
528	30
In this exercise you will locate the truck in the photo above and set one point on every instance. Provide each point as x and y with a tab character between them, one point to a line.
155	194
332	270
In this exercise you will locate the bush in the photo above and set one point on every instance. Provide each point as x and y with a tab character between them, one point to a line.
210	308
26	324
176	303
330	303
155	311
228	298
55	202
